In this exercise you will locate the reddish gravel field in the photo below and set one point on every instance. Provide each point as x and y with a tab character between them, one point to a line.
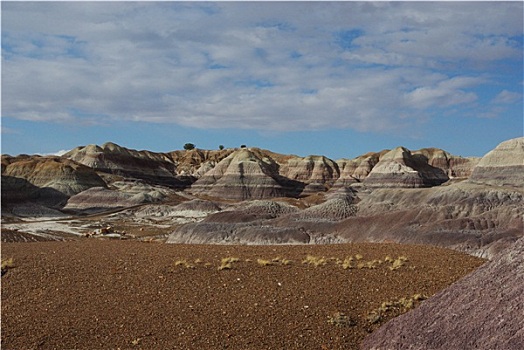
100	294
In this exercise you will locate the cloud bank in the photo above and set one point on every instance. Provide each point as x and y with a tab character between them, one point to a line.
282	66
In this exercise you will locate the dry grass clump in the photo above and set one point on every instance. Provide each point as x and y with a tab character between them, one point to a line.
7	264
184	263
275	261
281	261
349	262
339	319
397	263
395	307
226	263
264	262
314	261
369	264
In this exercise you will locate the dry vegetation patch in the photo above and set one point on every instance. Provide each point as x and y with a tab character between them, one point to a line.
94	294
7	264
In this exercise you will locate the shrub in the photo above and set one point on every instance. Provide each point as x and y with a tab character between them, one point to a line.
339	319
226	263
315	261
347	263
395	307
286	262
7	264
189	146
263	262
184	263
398	263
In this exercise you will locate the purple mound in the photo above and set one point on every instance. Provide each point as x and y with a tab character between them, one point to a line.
484	310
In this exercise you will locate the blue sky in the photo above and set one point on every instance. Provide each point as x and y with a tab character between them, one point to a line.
333	78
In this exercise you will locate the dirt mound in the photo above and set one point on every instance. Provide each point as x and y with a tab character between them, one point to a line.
272	209
199	205
332	210
252	211
485	310
94	294
17	236
121	194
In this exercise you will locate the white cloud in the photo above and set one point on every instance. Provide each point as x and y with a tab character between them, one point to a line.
507	97
445	93
250	65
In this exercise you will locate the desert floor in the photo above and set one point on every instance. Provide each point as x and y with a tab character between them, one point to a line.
102	294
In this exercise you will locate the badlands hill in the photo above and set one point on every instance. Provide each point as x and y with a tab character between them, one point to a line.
422	196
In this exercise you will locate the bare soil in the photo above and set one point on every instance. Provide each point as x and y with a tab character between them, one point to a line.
102	294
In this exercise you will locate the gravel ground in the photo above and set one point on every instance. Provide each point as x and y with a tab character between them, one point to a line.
101	294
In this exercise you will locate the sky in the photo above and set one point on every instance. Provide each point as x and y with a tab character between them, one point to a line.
338	79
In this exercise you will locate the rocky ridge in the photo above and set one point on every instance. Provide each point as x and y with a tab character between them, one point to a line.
393	195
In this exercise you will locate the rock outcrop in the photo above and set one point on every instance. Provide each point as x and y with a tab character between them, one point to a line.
401	168
453	166
503	166
245	174
156	168
356	170
197	162
121	194
484	310
49	180
318	173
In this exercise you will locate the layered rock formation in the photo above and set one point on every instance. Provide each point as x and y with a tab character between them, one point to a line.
453	166
484	310
462	216
197	162
378	196
157	168
50	180
401	168
503	166
317	172
244	174
356	170
121	194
